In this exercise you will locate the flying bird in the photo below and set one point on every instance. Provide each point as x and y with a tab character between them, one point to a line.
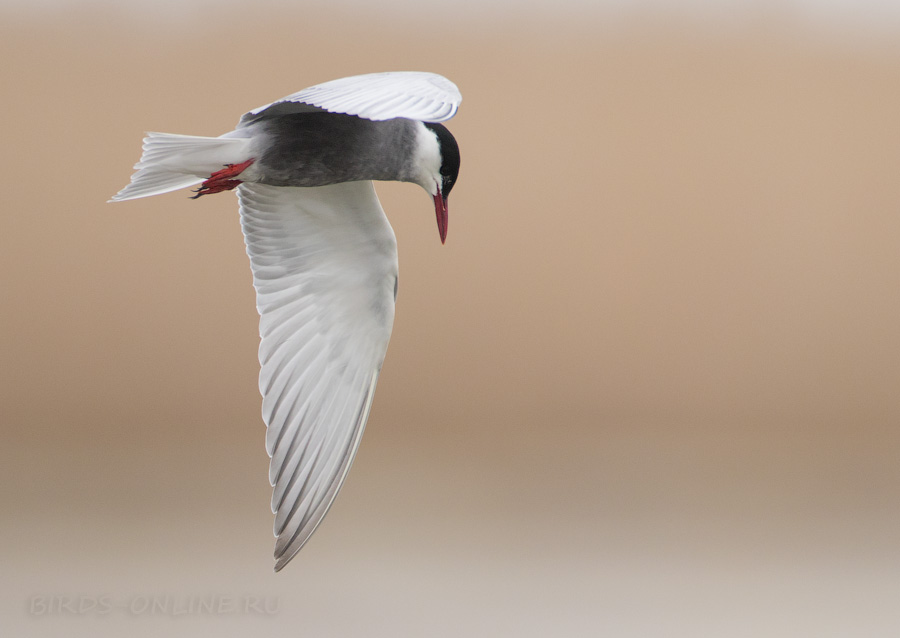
323	256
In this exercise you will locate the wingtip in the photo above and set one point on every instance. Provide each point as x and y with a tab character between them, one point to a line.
283	560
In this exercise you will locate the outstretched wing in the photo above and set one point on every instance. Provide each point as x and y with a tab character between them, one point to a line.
376	96
324	264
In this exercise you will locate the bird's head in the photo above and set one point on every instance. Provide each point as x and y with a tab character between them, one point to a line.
437	164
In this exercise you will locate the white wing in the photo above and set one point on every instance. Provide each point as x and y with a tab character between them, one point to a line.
324	264
377	96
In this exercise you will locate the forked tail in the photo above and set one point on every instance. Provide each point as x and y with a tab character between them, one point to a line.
170	162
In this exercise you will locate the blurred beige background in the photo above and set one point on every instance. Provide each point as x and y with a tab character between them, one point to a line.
648	388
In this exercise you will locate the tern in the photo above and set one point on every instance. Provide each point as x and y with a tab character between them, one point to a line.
323	256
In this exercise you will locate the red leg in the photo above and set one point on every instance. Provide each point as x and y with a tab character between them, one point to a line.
222	180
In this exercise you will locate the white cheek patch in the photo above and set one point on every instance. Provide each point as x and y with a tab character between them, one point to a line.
428	159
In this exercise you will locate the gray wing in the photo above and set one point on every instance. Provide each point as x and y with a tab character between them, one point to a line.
376	96
324	264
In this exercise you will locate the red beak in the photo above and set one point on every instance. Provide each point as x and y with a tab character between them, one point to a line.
440	211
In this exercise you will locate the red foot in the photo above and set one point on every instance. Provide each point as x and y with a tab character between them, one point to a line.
221	180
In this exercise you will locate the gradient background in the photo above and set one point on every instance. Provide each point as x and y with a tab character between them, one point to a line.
648	388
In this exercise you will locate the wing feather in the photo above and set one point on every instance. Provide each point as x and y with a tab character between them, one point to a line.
375	96
324	264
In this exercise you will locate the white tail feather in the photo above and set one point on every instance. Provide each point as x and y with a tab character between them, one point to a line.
170	162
